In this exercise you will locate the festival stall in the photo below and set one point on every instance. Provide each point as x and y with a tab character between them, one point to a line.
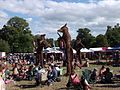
53	54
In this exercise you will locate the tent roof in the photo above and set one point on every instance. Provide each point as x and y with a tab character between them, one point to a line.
74	51
86	50
52	50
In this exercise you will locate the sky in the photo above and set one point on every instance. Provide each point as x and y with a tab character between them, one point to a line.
47	16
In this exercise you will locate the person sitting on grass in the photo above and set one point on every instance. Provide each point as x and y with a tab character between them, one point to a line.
75	80
52	74
16	72
107	76
21	72
38	75
8	77
101	71
57	67
49	76
30	73
55	72
93	76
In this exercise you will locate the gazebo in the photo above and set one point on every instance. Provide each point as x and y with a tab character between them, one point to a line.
56	52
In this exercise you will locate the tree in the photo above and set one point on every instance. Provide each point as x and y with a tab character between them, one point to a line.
18	35
51	42
56	43
19	23
86	38
4	46
25	41
73	43
101	41
113	35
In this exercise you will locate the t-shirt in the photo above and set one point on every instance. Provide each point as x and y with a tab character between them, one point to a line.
75	79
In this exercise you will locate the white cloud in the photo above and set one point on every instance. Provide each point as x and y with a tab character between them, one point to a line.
96	14
3	14
29	19
3	18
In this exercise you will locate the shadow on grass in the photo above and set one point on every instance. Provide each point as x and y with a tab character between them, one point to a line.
110	85
65	88
28	86
99	63
70	88
24	86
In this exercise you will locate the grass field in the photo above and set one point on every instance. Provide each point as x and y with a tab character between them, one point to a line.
29	85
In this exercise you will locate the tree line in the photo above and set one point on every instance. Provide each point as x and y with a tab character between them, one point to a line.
16	36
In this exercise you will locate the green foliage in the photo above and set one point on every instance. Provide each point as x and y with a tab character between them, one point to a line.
101	41
74	43
56	43
18	35
4	46
113	35
18	23
86	38
50	41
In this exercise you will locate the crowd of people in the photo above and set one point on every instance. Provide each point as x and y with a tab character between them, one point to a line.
22	67
103	75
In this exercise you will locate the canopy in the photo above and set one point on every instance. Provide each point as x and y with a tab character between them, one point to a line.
86	50
51	50
74	51
96	49
100	49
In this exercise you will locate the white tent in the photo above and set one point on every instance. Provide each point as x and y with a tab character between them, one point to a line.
74	51
51	50
96	49
86	50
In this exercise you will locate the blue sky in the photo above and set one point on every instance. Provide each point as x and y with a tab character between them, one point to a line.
47	16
